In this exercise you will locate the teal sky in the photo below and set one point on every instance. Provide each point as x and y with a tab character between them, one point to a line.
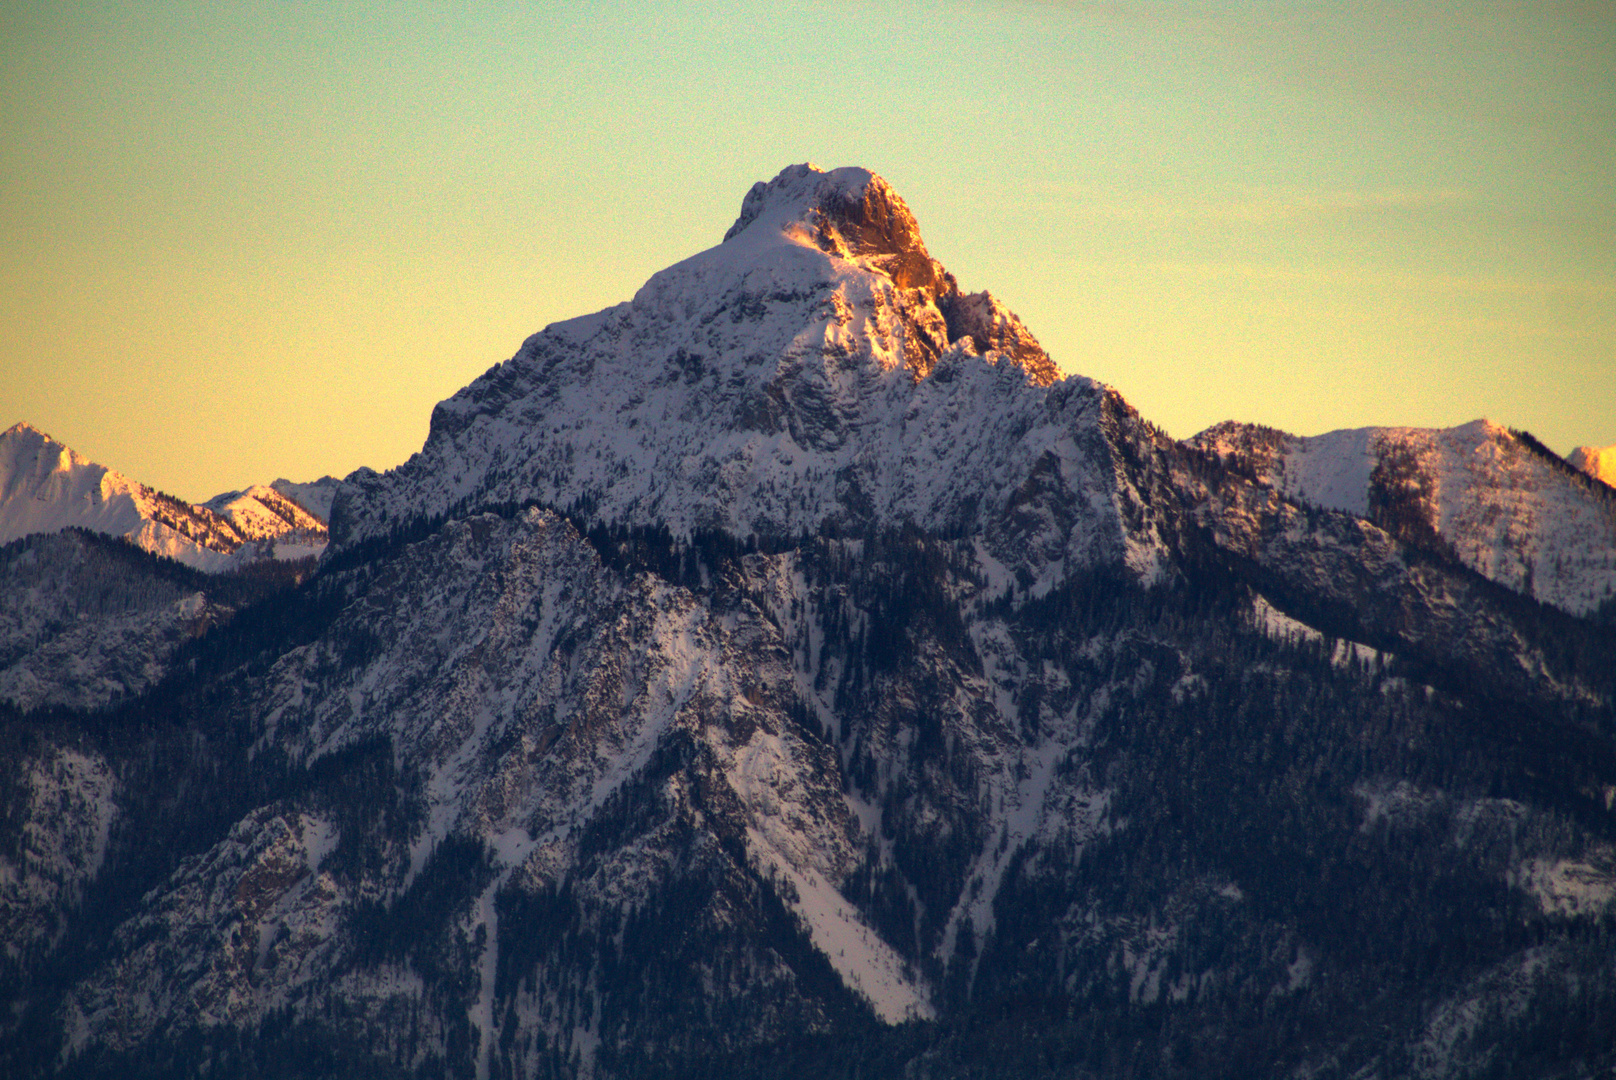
242	241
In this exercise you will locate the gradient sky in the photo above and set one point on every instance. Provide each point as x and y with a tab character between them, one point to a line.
242	241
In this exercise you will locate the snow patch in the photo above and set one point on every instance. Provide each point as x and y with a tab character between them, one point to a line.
1279	626
868	965
1566	887
1396	803
320	838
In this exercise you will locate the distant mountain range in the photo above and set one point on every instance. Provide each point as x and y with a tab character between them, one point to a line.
787	673
1502	503
45	486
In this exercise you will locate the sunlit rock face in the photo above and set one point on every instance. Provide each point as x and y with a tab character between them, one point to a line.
1597	462
784	673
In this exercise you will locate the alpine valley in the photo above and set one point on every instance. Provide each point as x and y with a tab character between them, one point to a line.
787	673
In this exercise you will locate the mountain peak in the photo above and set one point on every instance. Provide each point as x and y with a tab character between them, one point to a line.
23	438
815	368
1598	462
850	213
45	486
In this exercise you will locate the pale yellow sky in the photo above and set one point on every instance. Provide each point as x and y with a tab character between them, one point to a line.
241	241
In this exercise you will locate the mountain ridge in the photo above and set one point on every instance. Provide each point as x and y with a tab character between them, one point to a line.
46	486
1500	502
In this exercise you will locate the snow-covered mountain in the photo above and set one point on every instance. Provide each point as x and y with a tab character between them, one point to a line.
788	653
816	369
1598	462
45	486
314	497
264	513
1506	506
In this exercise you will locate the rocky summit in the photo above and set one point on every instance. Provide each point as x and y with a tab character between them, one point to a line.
788	673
